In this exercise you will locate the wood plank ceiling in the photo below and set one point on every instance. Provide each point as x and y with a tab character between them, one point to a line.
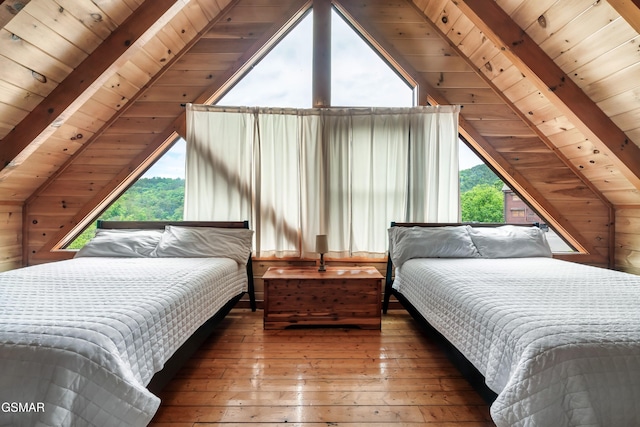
92	91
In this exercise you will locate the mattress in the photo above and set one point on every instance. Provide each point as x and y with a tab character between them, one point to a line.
559	342
80	339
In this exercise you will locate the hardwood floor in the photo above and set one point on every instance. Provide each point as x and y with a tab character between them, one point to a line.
246	376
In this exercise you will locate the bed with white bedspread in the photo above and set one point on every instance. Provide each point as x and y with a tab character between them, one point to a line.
558	342
81	339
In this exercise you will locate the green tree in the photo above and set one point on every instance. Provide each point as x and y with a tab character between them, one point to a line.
483	203
149	199
479	174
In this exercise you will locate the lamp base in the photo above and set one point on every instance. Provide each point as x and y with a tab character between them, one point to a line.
322	266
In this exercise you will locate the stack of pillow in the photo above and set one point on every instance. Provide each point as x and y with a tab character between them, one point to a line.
464	241
173	241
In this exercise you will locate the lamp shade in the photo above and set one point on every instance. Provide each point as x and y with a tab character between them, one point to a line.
322	246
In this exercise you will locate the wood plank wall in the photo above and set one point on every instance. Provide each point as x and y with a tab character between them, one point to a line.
10	235
627	247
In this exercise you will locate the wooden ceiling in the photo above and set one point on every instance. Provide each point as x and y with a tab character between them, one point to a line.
92	90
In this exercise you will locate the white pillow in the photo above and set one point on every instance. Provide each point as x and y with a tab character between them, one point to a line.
406	243
121	243
200	242
509	241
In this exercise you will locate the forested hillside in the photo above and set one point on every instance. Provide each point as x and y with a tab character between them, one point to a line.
477	175
146	200
149	199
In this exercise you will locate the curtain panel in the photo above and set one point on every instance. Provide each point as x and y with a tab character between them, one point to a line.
347	173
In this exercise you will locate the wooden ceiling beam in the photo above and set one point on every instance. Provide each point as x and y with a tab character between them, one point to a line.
563	92
84	81
321	74
9	9
629	10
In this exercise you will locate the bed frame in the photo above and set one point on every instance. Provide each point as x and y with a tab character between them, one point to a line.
184	353
466	368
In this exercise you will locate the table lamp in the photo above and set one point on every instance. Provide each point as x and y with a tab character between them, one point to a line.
322	247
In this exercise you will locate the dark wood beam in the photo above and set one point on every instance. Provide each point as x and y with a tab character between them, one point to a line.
9	9
87	78
525	54
321	71
629	10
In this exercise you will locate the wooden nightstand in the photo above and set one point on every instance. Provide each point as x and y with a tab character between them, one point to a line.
303	296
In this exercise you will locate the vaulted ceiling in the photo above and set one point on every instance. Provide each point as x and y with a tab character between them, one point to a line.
91	91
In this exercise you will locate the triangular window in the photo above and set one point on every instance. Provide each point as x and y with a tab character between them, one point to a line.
283	78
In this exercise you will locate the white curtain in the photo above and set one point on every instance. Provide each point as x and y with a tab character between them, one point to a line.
346	173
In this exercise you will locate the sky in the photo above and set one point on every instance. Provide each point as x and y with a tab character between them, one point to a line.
360	78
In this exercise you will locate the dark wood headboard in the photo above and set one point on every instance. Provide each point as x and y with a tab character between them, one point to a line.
454	224
121	225
161	224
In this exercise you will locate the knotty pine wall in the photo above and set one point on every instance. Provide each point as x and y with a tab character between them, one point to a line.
10	235
627	240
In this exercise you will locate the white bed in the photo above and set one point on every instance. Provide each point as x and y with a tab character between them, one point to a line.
558	342
81	339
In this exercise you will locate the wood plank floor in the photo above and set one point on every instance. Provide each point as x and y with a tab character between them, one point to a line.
246	376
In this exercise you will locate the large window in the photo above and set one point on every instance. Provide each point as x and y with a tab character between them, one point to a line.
346	173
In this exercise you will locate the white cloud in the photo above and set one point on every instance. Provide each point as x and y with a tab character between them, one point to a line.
172	164
282	78
467	158
360	77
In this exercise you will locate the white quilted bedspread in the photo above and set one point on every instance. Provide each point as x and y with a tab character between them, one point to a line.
558	341
80	339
